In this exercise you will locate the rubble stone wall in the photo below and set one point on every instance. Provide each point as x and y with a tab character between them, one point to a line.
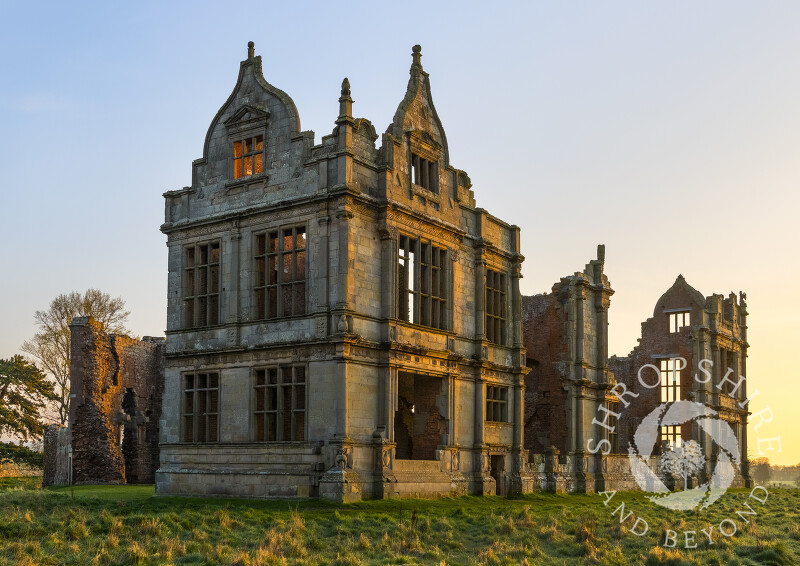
56	448
116	386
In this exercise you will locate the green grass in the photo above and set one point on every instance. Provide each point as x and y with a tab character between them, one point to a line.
127	525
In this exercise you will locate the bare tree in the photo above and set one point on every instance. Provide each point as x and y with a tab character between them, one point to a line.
683	460
51	345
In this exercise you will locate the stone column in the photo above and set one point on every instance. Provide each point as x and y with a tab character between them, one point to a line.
516	297
388	273
390	402
341	394
342	268
235	284
322	268
519	418
580	297
480	298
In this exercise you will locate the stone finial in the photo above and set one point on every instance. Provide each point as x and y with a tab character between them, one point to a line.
416	53
251	49
601	252
345	102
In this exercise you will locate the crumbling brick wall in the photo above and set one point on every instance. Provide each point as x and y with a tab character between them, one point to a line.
544	328
116	384
655	344
419	425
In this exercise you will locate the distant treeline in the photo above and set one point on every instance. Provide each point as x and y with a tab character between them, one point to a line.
785	473
21	455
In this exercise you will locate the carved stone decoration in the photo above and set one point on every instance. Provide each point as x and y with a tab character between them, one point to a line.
342	325
518	463
486	462
344	458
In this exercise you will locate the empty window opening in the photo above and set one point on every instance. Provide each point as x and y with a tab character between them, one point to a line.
678	320
280	287
200	407
496	307
201	285
422	283
727	310
419	427
425	173
496	404
729	363
280	404
248	157
670	380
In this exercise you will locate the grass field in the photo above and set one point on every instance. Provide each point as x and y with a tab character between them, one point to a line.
127	525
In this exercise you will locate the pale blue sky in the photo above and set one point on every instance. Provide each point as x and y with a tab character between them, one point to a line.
670	131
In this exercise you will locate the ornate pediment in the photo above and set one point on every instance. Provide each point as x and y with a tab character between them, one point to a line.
426	139
245	117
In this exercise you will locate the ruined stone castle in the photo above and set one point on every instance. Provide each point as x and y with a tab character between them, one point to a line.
345	322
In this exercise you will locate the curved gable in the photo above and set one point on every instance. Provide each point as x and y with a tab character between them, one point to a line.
416	114
678	295
254	107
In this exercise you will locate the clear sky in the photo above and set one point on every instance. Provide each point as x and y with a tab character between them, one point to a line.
669	131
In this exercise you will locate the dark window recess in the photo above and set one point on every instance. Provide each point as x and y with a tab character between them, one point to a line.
200	407
201	285
496	307
612	436
280	287
422	283
280	404
425	173
248	157
496	404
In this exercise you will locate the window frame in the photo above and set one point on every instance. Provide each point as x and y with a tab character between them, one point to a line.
671	376
423	265
496	306
613	422
269	281
424	172
192	276
192	436
671	434
262	429
678	319
496	403
241	154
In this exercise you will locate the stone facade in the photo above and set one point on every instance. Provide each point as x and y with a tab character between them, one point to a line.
577	428
116	386
344	322
352	279
702	342
566	337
